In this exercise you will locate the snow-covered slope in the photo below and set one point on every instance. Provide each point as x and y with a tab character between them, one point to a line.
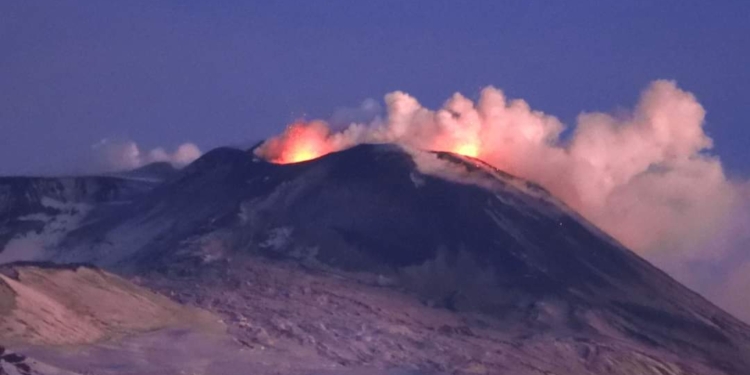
37	212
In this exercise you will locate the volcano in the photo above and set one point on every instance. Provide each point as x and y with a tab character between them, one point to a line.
372	259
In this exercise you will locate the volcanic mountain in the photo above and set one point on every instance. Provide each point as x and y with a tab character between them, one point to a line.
378	257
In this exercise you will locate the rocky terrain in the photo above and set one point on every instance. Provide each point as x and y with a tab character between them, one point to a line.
285	315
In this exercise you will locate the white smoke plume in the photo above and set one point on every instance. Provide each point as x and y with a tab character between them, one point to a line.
367	111
645	177
126	155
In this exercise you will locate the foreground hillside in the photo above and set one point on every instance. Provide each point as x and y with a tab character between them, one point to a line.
281	318
45	305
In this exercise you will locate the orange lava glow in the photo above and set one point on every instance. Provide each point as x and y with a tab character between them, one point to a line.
300	142
296	156
307	140
467	149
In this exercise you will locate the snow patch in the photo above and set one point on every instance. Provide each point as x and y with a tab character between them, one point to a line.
54	203
34	245
278	238
418	180
212	249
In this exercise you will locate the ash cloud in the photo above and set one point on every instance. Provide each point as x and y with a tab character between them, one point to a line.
645	176
113	155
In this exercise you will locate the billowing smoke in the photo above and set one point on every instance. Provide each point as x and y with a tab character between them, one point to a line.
645	177
126	155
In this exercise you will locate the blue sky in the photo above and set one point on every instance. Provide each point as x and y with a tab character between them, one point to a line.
165	72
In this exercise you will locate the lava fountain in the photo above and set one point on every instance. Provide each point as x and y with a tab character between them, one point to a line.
300	142
467	149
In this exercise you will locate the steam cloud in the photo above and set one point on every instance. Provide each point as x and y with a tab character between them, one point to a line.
126	155
644	177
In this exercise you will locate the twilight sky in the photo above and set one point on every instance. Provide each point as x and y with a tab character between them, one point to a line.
161	73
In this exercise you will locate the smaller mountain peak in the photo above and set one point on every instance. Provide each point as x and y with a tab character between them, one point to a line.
160	170
221	156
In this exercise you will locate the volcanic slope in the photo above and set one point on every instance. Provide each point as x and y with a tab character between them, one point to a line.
451	231
37	212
